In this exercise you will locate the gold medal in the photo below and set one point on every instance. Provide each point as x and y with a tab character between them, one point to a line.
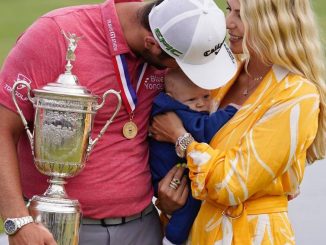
129	130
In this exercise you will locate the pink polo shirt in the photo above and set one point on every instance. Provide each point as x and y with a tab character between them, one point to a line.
116	180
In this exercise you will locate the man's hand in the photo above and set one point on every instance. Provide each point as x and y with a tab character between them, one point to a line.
170	199
32	234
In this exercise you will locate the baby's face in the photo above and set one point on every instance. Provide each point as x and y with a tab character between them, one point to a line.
196	98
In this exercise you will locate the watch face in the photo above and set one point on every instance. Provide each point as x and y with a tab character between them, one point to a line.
10	227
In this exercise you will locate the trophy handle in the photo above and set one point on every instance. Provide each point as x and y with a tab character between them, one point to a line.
13	94
92	143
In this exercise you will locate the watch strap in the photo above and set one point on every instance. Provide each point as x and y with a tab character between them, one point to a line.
23	221
181	144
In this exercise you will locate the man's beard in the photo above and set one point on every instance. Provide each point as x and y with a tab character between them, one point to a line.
155	61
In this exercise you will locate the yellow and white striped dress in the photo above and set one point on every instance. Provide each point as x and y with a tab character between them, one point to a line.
253	163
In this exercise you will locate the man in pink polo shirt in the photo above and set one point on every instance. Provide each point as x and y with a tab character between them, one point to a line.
116	182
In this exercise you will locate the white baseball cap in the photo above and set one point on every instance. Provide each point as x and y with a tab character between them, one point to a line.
193	32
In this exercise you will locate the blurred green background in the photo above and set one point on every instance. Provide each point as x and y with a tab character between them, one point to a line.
17	15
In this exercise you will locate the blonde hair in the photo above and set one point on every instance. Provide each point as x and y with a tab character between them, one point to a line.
284	32
175	77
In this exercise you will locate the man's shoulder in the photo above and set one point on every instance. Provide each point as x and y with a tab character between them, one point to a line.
73	11
72	17
82	20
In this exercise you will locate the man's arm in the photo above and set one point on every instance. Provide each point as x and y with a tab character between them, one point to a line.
11	198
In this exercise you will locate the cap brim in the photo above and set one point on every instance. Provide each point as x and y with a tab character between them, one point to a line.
213	74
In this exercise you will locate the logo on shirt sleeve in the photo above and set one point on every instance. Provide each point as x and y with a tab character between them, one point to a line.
19	94
112	35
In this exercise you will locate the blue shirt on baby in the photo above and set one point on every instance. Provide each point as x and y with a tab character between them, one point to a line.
202	126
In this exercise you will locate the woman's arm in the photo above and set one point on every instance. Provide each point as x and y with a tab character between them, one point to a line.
167	127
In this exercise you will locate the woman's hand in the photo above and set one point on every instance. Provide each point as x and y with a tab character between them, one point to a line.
167	127
170	198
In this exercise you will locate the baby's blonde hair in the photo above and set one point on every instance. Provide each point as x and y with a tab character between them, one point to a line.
284	32
176	77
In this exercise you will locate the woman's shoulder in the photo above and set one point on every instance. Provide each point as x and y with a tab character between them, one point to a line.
297	85
293	89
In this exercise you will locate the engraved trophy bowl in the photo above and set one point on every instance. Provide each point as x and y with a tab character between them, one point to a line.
61	143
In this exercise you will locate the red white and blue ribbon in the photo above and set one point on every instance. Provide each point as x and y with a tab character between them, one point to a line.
128	93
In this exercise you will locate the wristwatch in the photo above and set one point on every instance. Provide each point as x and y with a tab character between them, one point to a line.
181	145
12	225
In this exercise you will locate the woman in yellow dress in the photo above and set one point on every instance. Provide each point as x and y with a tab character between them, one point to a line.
257	160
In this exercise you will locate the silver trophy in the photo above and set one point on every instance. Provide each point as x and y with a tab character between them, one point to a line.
61	143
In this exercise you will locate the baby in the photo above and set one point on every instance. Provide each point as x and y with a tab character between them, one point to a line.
192	104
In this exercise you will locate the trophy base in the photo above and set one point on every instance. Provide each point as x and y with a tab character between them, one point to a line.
61	216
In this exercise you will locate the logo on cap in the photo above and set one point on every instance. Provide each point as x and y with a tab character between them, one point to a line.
215	50
230	53
168	47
